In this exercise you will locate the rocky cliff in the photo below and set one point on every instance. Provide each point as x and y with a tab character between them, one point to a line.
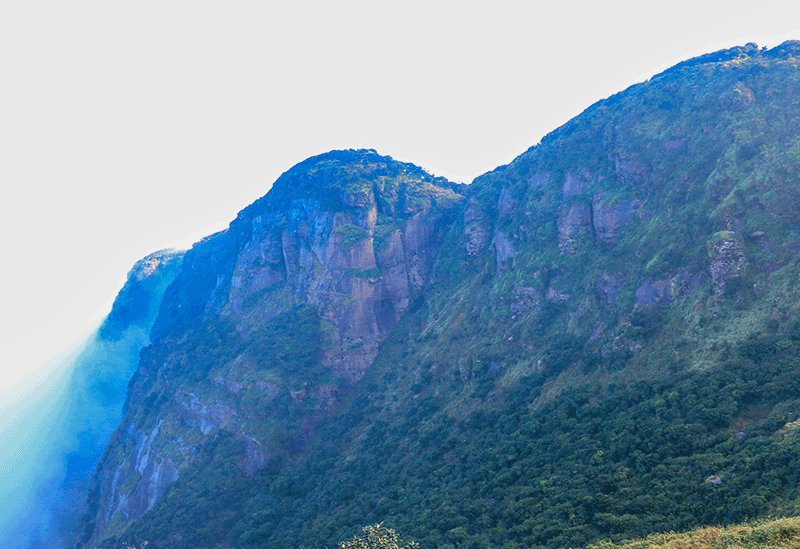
337	250
567	349
55	434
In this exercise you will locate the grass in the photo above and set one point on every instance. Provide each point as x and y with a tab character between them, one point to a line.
781	533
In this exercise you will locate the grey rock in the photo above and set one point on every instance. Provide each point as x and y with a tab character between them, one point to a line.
609	218
727	259
573	223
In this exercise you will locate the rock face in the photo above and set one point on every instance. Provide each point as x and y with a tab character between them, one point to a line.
357	258
349	236
474	230
154	472
608	219
572	224
727	259
140	298
367	340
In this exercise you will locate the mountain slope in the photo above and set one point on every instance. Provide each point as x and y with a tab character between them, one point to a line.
270	321
598	340
53	437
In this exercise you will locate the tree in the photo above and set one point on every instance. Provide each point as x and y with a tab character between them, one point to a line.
377	536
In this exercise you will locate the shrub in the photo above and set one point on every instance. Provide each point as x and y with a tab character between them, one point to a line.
377	536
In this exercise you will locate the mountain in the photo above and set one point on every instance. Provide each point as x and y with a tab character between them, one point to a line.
597	341
54	436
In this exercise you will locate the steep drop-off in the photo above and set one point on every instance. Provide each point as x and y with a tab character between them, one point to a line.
52	439
599	340
271	320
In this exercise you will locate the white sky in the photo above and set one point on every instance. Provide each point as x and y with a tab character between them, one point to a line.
126	127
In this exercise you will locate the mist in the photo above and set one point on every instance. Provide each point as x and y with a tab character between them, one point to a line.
55	426
52	439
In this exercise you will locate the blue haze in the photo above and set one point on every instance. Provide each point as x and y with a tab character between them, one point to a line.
53	435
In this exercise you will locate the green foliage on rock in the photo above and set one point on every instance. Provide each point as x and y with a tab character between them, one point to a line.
351	234
603	343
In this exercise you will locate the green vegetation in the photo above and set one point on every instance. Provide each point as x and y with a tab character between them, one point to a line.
606	344
673	453
363	273
351	235
778	534
377	536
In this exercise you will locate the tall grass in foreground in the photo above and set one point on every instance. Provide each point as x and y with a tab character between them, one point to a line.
782	533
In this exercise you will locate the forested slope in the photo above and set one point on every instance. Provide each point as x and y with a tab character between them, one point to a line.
597	341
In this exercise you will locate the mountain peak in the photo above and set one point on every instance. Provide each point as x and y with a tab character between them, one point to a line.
345	178
612	315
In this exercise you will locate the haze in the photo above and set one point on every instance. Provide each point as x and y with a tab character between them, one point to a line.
128	127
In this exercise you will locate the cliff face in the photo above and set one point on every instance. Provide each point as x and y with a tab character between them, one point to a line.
351	234
337	250
526	360
55	435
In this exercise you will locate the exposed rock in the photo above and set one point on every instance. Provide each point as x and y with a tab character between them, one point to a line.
525	299
576	183
573	223
608	219
417	234
504	247
476	235
539	180
675	144
325	256
351	241
396	279
299	395
327	397
232	386
270	388
505	204
155	472
206	418
629	170
653	292
727	258
556	295
351	363
664	291
254	459
608	286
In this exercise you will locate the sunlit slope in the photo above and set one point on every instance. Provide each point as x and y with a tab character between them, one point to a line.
781	533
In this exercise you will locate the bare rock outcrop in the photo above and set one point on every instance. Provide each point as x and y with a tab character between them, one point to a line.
205	417
504	247
576	183
608	218
137	483
539	180
572	224
505	203
728	262
476	235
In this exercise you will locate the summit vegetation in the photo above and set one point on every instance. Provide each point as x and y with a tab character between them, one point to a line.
596	342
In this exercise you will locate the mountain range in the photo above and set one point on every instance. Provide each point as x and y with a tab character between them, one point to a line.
599	340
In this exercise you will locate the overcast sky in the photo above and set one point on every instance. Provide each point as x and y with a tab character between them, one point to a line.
127	127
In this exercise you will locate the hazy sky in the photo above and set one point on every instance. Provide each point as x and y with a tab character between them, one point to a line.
126	127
